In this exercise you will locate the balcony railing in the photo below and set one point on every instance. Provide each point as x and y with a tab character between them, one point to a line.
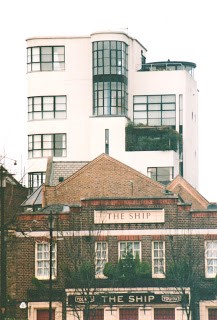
169	66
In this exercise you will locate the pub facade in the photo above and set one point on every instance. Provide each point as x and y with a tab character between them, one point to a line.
122	246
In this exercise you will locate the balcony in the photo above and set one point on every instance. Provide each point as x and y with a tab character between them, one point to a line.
169	66
143	138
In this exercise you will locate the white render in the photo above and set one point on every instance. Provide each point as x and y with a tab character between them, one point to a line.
85	132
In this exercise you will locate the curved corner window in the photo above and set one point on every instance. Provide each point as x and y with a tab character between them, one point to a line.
45	58
110	66
110	57
110	98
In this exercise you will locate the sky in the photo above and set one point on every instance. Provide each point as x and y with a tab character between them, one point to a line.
169	29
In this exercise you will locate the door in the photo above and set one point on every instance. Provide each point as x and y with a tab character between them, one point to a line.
43	314
164	314
212	314
128	314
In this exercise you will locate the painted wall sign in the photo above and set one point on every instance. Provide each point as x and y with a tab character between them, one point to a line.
125	298
129	216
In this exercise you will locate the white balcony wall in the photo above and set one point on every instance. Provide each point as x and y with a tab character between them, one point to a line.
178	83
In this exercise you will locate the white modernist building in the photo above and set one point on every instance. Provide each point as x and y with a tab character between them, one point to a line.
97	94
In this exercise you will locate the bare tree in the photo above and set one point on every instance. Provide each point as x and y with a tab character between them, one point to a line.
184	270
79	271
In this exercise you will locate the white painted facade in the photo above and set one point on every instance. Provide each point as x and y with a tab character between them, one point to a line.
85	132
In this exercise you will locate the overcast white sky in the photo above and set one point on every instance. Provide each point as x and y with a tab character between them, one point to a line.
169	29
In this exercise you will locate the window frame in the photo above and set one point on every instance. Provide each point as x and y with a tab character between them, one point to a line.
110	57
34	114
39	144
210	275
33	176
46	261
145	106
159	265
155	175
110	98
120	256
36	62
100	273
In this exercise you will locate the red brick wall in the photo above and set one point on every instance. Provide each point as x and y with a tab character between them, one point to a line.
104	177
21	249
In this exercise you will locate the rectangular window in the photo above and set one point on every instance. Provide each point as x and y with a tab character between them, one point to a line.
180	112
164	314
35	180
158	259
101	257
159	110
42	261
45	145
106	141
45	58
211	259
132	247
48	107
128	314
161	174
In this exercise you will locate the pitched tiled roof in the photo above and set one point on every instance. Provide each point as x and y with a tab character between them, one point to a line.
188	193
58	171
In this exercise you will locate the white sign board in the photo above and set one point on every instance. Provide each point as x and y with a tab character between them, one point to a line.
129	216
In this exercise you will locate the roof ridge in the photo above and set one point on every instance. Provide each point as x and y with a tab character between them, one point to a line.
101	156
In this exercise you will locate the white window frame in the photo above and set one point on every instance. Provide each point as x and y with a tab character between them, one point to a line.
207	274
158	258
128	242
102	260
46	260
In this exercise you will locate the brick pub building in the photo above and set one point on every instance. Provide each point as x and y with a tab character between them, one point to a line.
12	194
106	214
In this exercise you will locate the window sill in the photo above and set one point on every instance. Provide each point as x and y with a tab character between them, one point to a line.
100	276
158	276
